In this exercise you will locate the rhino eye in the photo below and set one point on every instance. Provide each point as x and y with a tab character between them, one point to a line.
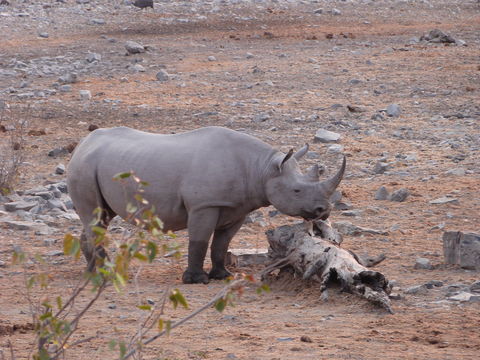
297	190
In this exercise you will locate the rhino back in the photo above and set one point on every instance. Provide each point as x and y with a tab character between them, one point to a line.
210	166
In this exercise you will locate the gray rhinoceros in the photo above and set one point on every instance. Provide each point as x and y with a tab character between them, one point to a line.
206	180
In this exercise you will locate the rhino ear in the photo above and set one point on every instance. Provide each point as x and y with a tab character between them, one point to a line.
301	152
313	173
284	160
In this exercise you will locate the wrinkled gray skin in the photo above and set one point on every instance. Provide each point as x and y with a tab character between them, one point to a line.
206	180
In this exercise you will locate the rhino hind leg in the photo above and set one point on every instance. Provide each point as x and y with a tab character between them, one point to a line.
220	242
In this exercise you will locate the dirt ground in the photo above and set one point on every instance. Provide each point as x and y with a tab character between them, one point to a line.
280	72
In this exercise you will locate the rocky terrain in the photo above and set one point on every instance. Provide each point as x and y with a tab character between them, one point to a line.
394	85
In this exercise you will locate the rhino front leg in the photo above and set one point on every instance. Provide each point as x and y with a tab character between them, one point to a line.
201	224
221	240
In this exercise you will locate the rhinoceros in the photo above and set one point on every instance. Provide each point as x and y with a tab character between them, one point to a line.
206	180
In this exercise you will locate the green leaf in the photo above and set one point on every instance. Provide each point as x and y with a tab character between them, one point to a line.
152	251
140	256
144	183
220	305
43	355
98	230
131	208
160	324
168	327
123	349
123	175
59	302
145	307
31	281
112	344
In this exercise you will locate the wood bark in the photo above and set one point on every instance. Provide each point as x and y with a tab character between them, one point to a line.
313	250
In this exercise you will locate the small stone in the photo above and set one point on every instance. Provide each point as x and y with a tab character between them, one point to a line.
395	296
56	204
381	193
69	78
92	57
98	21
335	148
399	195
60	169
65	88
3	264
282	339
261	118
134	47
475	287
85	94
306	339
325	136
212	58
19	205
249	55
143	4
24	225
417	290
423	263
444	200
92	127
49	242
318	11
380	167
456	172
434	283
336	12
138	68
43	35
55	253
465	297
393	110
57	152
162	76
313	155
112	306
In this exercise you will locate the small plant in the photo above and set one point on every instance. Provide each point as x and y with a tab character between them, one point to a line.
57	319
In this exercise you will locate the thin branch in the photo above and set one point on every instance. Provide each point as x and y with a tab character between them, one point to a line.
235	284
12	353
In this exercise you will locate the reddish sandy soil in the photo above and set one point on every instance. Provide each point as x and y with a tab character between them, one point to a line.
302	73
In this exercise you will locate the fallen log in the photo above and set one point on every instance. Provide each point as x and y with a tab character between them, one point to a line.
312	250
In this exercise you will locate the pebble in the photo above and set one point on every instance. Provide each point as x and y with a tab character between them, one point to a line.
134	47
444	200
19	205
60	169
336	12
43	35
456	172
381	193
475	287
98	21
393	110
65	88
434	283
138	68
212	58
261	118
465	297
69	78
85	94
57	152
162	76
318	11
249	55
92	57
423	263
325	136
55	253
399	195
416	290
380	167
335	148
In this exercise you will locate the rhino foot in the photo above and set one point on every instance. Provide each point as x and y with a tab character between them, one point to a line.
190	277
219	274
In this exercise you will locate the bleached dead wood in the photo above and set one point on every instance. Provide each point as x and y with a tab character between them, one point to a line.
313	251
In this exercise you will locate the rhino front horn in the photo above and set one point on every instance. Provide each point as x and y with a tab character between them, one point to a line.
331	184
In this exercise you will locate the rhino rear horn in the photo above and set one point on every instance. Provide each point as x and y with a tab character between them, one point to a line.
301	152
331	184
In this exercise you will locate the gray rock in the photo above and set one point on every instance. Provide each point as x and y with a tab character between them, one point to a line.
57	152
416	290
212	58
138	68
98	21
60	169
92	57
434	283
456	172
46	195
342	205
162	76
142	4
325	136
69	78
43	35
437	36
475	287
261	118
55	253
85	94
465	297
444	200
318	11
336	12
134	47
313	155
49	242
249	55
82	1
381	193
56	204
335	148
3	264
393	110
24	225
462	249
19	205
380	167
399	195
423	263
65	88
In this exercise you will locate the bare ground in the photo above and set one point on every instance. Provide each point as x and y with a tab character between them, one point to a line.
301	73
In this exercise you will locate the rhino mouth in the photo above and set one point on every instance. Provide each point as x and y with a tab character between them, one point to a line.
309	216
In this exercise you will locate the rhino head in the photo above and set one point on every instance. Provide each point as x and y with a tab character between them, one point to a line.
297	194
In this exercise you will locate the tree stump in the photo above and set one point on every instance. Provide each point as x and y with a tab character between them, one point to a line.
312	250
